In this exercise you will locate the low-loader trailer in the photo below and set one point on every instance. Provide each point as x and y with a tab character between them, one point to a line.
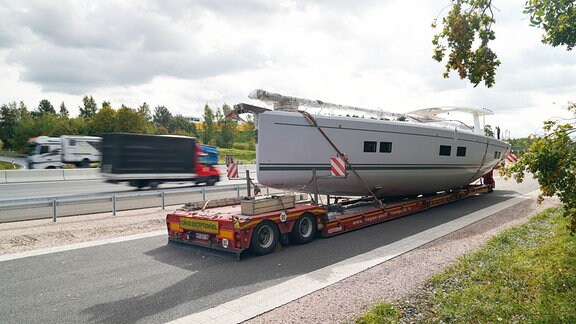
259	224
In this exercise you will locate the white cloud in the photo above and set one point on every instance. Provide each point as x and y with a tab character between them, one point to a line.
185	55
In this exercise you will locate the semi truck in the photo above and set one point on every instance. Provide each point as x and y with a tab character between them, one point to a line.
149	160
45	152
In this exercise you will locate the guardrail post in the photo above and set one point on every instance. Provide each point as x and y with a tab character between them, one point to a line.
162	194
54	210
113	205
237	191
203	194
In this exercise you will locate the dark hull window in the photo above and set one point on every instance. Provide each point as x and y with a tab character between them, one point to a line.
461	151
445	150
385	147
370	146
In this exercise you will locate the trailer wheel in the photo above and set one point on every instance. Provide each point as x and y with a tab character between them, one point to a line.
264	238
305	229
85	163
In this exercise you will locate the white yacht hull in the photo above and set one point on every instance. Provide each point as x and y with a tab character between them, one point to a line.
289	148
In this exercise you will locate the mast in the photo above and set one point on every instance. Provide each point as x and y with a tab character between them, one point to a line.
288	103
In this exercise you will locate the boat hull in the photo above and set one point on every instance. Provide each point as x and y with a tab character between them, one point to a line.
387	158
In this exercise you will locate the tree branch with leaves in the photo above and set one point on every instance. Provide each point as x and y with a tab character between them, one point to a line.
551	160
466	31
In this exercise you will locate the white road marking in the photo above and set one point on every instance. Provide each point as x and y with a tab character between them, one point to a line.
14	256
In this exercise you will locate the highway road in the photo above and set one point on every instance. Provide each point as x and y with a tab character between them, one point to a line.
35	190
148	280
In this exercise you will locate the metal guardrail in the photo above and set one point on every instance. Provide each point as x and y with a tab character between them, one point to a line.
44	208
22	176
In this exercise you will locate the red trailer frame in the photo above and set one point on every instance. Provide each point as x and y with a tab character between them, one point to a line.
225	228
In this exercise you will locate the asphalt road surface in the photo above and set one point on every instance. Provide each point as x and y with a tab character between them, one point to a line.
150	281
37	190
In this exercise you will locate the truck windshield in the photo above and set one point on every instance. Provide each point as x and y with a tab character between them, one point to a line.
32	149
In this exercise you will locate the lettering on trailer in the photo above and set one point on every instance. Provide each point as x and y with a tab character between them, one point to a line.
337	166
199	225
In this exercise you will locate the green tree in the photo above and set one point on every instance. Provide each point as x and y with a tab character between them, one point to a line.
144	110
8	121
226	129
488	131
130	121
181	125
89	108
209	129
162	116
63	111
551	159
105	120
557	18
466	32
23	111
45	108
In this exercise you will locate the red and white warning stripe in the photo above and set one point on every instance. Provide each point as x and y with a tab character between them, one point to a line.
511	158
337	166
233	171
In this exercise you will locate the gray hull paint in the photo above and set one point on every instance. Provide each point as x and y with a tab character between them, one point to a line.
289	148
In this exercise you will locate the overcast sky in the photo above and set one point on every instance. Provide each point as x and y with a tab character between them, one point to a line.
185	54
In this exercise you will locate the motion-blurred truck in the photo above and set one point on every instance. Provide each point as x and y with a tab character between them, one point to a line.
46	152
149	160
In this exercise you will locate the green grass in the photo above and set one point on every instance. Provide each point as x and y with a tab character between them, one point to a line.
7	166
524	275
245	156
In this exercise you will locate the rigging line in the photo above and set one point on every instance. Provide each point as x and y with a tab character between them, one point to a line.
313	122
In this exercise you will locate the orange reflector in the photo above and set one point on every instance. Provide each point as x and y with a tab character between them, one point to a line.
227	234
173	226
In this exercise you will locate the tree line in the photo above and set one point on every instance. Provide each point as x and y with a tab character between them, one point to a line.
18	124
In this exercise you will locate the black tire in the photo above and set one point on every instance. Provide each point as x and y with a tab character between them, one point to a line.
85	163
264	238
138	184
211	181
304	230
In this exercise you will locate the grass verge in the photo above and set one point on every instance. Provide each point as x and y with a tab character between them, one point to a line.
526	274
245	156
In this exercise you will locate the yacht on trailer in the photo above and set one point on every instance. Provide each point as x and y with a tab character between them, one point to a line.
390	155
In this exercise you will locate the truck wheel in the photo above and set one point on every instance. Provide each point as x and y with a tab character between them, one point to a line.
304	230
211	181
264	238
85	163
138	184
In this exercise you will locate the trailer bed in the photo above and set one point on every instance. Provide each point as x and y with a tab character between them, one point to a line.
227	228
